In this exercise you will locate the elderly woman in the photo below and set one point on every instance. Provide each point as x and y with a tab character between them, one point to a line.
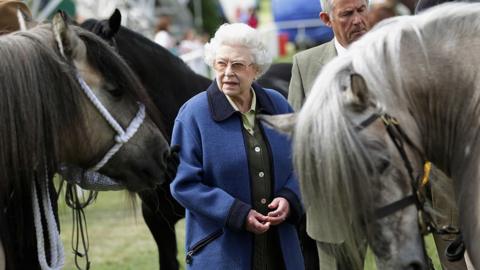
235	177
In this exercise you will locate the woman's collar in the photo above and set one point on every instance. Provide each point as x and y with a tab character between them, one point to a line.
221	109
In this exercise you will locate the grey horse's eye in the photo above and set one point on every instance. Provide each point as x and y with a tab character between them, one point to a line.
382	165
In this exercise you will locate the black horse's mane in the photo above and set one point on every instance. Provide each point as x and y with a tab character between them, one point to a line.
170	84
103	58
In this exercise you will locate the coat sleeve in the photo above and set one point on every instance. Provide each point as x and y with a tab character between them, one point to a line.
190	191
296	93
291	192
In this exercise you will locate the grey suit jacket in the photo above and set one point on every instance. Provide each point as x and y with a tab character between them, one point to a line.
306	67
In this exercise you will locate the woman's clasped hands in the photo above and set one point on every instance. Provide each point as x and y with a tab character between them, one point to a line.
258	223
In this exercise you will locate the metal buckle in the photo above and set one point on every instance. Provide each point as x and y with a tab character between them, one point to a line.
389	120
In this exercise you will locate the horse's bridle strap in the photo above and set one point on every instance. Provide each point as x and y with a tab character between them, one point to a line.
398	136
395	206
122	135
367	122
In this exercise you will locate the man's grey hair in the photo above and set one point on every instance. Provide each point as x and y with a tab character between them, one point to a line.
327	5
240	34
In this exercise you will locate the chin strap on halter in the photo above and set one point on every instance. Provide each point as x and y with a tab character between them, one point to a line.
123	136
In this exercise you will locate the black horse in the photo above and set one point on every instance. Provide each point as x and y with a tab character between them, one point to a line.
170	83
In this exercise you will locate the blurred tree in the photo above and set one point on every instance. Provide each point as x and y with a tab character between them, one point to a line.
211	15
68	6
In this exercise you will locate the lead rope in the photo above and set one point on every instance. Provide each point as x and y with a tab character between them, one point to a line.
56	246
79	228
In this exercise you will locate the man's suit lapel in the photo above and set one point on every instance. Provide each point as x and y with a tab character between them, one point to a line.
322	59
327	55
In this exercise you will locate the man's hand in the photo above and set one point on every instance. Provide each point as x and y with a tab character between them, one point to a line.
280	210
256	222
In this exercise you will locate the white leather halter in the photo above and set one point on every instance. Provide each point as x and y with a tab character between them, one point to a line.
122	136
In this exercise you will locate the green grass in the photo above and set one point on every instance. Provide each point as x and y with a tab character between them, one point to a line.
120	240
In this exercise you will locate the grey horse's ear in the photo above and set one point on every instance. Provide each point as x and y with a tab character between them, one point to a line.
357	96
283	123
70	45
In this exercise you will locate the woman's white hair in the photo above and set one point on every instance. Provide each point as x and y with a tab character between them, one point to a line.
239	34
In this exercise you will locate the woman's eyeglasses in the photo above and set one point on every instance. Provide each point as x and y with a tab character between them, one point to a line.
235	66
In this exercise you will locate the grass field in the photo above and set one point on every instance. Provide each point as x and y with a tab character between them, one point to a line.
120	240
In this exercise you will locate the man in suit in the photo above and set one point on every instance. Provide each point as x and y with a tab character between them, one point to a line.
348	20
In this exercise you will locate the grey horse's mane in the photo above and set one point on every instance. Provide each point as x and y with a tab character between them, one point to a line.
403	61
427	65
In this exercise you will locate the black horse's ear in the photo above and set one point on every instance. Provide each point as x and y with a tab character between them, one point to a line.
114	23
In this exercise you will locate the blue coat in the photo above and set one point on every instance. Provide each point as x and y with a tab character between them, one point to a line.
213	181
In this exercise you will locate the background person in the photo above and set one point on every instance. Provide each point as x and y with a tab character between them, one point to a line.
163	36
252	17
190	49
235	177
348	20
383	9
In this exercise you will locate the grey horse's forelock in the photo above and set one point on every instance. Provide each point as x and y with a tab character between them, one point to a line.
332	163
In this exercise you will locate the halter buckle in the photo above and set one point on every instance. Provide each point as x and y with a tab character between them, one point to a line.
389	120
